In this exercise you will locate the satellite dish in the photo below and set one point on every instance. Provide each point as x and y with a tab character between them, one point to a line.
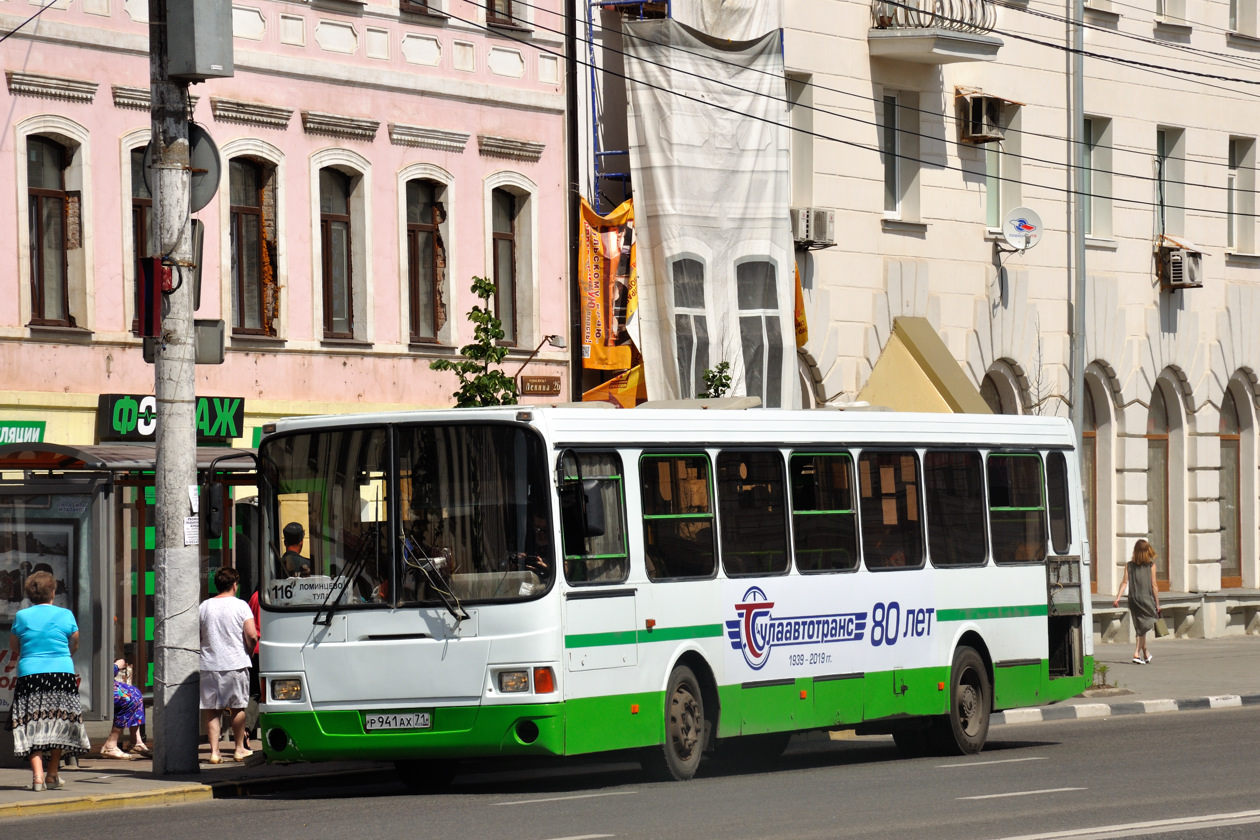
203	160
1021	228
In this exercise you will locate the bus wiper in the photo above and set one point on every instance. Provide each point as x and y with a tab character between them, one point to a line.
349	573
417	558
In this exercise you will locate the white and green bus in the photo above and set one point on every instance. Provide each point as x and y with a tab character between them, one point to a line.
530	581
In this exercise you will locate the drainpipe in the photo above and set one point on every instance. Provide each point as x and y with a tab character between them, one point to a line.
574	198
1079	198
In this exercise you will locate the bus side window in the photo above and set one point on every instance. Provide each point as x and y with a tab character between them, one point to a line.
891	533
594	551
953	489
677	498
824	518
1057	496
1017	512
754	516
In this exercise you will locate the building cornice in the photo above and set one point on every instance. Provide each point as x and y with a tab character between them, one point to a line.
138	98
250	113
50	87
442	140
492	145
335	125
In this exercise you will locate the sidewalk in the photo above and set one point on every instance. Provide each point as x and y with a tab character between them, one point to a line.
1186	674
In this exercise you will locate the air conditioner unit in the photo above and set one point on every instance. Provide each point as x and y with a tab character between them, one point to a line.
982	119
813	227
822	226
1181	268
801	219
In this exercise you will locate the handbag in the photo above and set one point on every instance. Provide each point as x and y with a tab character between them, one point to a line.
1161	627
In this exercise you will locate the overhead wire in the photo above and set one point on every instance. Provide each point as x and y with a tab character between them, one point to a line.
1154	180
519	38
18	28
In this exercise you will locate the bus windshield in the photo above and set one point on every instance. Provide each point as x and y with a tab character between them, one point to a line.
462	513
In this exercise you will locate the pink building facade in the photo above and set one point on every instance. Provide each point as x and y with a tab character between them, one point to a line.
373	160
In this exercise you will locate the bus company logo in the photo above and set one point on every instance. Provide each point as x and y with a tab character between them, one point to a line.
757	630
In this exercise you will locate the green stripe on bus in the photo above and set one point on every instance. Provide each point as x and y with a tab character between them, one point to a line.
979	613
656	634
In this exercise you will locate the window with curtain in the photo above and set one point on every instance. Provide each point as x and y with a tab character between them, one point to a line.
824	512
46	162
245	184
503	225
426	260
752	505
335	239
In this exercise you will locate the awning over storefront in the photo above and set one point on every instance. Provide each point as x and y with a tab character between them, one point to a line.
115	457
916	372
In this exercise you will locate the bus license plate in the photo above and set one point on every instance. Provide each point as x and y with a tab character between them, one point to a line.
397	720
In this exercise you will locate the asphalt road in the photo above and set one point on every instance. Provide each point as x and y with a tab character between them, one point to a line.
1181	775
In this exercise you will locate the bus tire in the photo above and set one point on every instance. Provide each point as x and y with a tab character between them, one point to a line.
427	775
679	757
966	727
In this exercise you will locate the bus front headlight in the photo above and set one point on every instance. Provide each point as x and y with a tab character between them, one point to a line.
286	689
513	682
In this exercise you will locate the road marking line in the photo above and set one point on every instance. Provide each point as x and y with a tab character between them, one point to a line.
1023	793
583	837
565	798
1103	832
996	761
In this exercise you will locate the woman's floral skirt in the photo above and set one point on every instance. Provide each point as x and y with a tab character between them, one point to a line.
48	715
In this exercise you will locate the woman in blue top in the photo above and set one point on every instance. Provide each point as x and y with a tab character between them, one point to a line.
47	714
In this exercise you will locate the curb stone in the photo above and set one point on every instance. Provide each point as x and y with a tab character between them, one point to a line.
1131	707
166	796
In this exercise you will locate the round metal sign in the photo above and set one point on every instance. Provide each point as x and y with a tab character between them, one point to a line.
203	161
1022	228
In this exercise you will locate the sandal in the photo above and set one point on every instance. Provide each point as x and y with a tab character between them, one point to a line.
142	751
37	785
114	752
216	759
54	783
242	755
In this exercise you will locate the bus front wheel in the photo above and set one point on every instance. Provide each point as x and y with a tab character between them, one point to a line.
684	729
966	727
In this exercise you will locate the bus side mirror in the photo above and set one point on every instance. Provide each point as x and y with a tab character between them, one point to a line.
581	511
212	501
592	508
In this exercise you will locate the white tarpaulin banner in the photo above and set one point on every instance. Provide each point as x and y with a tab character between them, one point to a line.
734	20
709	158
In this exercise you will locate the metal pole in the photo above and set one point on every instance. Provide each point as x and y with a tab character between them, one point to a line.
1079	198
177	588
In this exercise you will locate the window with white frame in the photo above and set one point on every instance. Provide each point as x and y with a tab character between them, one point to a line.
760	329
691	325
503	237
1170	180
899	148
1002	169
1097	198
252	237
50	240
336	243
1173	11
500	12
1240	195
801	119
426	259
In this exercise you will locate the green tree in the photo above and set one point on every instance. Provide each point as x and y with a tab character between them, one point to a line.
478	384
717	381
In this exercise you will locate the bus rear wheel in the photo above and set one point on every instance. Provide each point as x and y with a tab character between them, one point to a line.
966	727
679	757
427	775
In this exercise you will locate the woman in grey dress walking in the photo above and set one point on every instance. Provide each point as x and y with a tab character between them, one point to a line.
1139	577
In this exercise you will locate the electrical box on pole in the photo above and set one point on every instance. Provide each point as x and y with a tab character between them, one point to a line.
199	40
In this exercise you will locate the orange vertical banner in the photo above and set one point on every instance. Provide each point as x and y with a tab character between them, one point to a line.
802	327
607	278
626	391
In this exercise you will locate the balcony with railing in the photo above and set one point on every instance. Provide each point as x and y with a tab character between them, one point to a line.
933	31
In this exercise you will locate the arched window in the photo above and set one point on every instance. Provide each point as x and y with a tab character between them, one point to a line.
760	331
336	242
1158	429
46	162
691	325
503	217
998	392
253	268
1231	493
1089	476
426	259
